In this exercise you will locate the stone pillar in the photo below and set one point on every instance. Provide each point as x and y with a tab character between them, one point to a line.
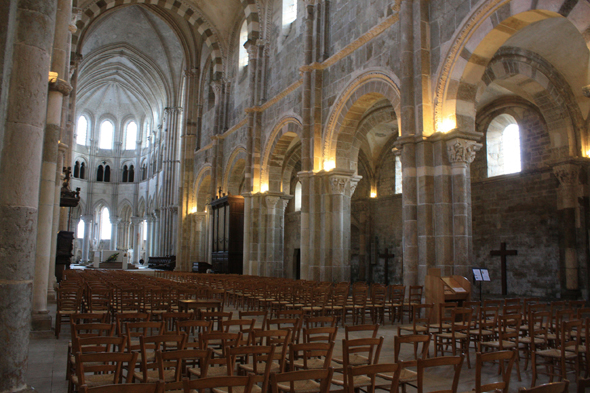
115	221
136	223
87	218
568	174
150	230
25	66
247	265
271	229
461	154
409	210
198	244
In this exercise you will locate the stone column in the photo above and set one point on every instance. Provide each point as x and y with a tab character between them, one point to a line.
136	223
247	265
272	230
115	221
568	174
198	244
87	218
461	153
409	210
25	67
150	230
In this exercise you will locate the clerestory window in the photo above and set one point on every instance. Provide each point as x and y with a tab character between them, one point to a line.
503	146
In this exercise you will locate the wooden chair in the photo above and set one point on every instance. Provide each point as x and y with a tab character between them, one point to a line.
369	377
358	304
68	303
171	320
337	304
292	324
486	325
302	381
377	305
308	356
566	353
234	384
583	385
122	319
219	342
157	387
420	320
508	338
537	334
217	317
259	357
414	299
323	321
149	364
455	361
397	295
458	337
193	330
281	339
98	369
320	334
420	344
552	387
502	356
178	362
445	311
134	330
367	331
357	352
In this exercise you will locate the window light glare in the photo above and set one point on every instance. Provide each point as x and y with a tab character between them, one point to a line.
373	194
329	165
264	188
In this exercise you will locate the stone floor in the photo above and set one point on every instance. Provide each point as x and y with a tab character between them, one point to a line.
47	364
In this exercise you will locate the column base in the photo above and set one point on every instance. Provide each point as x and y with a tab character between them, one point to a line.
41	322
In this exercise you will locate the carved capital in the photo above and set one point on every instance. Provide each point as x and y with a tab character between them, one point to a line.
87	218
567	174
115	220
217	87
60	86
252	48
338	184
271	202
462	151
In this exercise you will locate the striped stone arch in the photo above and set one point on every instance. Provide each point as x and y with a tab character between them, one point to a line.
482	33
288	129
549	91
98	7
253	18
236	165
203	187
345	115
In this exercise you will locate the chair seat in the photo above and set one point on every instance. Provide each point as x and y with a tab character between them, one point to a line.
211	371
556	353
496	344
237	389
528	340
410	328
307	386
483	332
274	367
359	381
95	380
154	375
450	335
354	360
314	364
404	376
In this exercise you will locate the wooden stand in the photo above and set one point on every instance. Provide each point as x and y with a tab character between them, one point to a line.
227	220
445	289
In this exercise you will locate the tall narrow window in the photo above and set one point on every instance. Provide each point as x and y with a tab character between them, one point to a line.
82	170
81	130
80	230
143	171
503	146
243	53
105	224
77	169
144	228
125	174
130	135
100	173
106	135
131	178
398	175
289	11
298	196
107	173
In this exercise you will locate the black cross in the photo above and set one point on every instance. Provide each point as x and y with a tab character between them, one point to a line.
386	256
503	253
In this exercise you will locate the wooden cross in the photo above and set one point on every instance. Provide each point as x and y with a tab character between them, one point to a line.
386	268
503	253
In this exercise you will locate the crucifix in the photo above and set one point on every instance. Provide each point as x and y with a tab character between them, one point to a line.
387	255
503	253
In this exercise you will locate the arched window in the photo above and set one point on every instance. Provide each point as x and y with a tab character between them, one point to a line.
243	53
100	173
77	169
398	175
144	228
130	135
107	173
82	171
80	230
131	177
298	196
81	130
143	171
105	224
105	141
503	146
125	174
289	11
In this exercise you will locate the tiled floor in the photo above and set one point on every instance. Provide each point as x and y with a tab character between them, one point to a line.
47	364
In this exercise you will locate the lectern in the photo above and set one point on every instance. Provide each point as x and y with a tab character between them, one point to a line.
445	289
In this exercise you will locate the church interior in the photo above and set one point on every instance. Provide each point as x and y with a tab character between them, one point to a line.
302	142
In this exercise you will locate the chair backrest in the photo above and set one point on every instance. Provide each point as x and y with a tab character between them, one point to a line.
455	361
172	318
157	387
369	347
177	361
371	372
245	326
222	340
415	341
91	329
370	331
98	344
378	294
422	314
553	387
216	317
280	338
89	318
320	334
193	329
499	356
163	343
324	376
415	294
259	324
322	321
291	324
134	330
509	328
538	322
122	319
111	363
229	382
583	385
261	360
308	351
461	320
397	294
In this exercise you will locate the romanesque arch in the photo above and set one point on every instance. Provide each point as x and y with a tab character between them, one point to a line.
235	170
203	188
282	136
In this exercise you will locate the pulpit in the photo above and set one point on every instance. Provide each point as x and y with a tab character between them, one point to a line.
445	289
227	224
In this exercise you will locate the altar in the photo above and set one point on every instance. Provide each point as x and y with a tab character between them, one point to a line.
113	259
